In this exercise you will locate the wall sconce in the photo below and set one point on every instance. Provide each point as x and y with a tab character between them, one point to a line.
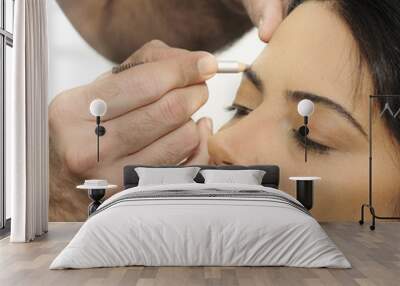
98	108
305	108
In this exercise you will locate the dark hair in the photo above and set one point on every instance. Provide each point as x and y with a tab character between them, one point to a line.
375	25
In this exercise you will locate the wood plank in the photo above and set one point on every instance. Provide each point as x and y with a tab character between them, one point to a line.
375	257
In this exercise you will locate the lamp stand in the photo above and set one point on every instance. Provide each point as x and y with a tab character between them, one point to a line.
305	137
100	131
369	205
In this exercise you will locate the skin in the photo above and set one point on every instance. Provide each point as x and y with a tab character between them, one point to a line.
313	65
265	135
149	106
118	28
148	122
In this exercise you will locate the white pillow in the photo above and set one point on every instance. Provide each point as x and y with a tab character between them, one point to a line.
248	177
162	176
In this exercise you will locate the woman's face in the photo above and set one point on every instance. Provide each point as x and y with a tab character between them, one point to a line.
312	55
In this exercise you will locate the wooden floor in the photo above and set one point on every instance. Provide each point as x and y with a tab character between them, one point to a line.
375	257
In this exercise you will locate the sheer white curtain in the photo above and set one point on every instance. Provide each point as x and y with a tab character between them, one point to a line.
27	124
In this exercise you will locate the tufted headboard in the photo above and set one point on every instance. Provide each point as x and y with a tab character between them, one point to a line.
270	179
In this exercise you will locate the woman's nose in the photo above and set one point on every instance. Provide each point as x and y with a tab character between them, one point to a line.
219	151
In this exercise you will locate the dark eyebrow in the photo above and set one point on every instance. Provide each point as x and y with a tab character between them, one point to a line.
300	95
254	79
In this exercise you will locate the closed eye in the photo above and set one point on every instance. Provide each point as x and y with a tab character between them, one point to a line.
311	144
239	110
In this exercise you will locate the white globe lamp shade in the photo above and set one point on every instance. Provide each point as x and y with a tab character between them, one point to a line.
305	107
98	107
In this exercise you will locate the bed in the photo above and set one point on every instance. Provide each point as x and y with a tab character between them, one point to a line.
201	224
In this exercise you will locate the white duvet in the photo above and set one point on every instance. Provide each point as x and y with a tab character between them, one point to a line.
202	231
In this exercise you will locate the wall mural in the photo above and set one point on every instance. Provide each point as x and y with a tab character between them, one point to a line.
155	90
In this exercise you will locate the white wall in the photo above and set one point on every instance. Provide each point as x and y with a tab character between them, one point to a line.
73	63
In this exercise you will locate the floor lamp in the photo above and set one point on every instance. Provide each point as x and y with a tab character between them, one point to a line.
370	201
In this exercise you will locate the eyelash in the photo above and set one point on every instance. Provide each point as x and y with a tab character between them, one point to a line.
239	110
311	144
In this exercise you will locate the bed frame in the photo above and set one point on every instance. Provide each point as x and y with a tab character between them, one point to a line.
270	179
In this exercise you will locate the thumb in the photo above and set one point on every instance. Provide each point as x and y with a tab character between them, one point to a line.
200	156
270	18
266	15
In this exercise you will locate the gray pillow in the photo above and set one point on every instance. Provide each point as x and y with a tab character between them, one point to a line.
162	176
247	177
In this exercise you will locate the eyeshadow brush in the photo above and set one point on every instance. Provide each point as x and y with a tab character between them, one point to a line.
231	67
224	67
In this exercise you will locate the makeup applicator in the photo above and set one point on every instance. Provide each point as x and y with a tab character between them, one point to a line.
231	67
223	67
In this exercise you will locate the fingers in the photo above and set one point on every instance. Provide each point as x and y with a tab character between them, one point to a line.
271	17
255	9
169	150
140	128
266	15
154	51
201	156
151	51
146	83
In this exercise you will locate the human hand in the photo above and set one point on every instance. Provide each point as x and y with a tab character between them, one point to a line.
148	119
266	15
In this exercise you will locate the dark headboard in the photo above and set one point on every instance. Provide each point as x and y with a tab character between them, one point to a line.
270	179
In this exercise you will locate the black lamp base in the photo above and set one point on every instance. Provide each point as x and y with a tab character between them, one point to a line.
96	195
305	193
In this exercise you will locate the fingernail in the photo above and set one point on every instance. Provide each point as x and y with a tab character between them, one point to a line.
207	66
260	23
261	29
